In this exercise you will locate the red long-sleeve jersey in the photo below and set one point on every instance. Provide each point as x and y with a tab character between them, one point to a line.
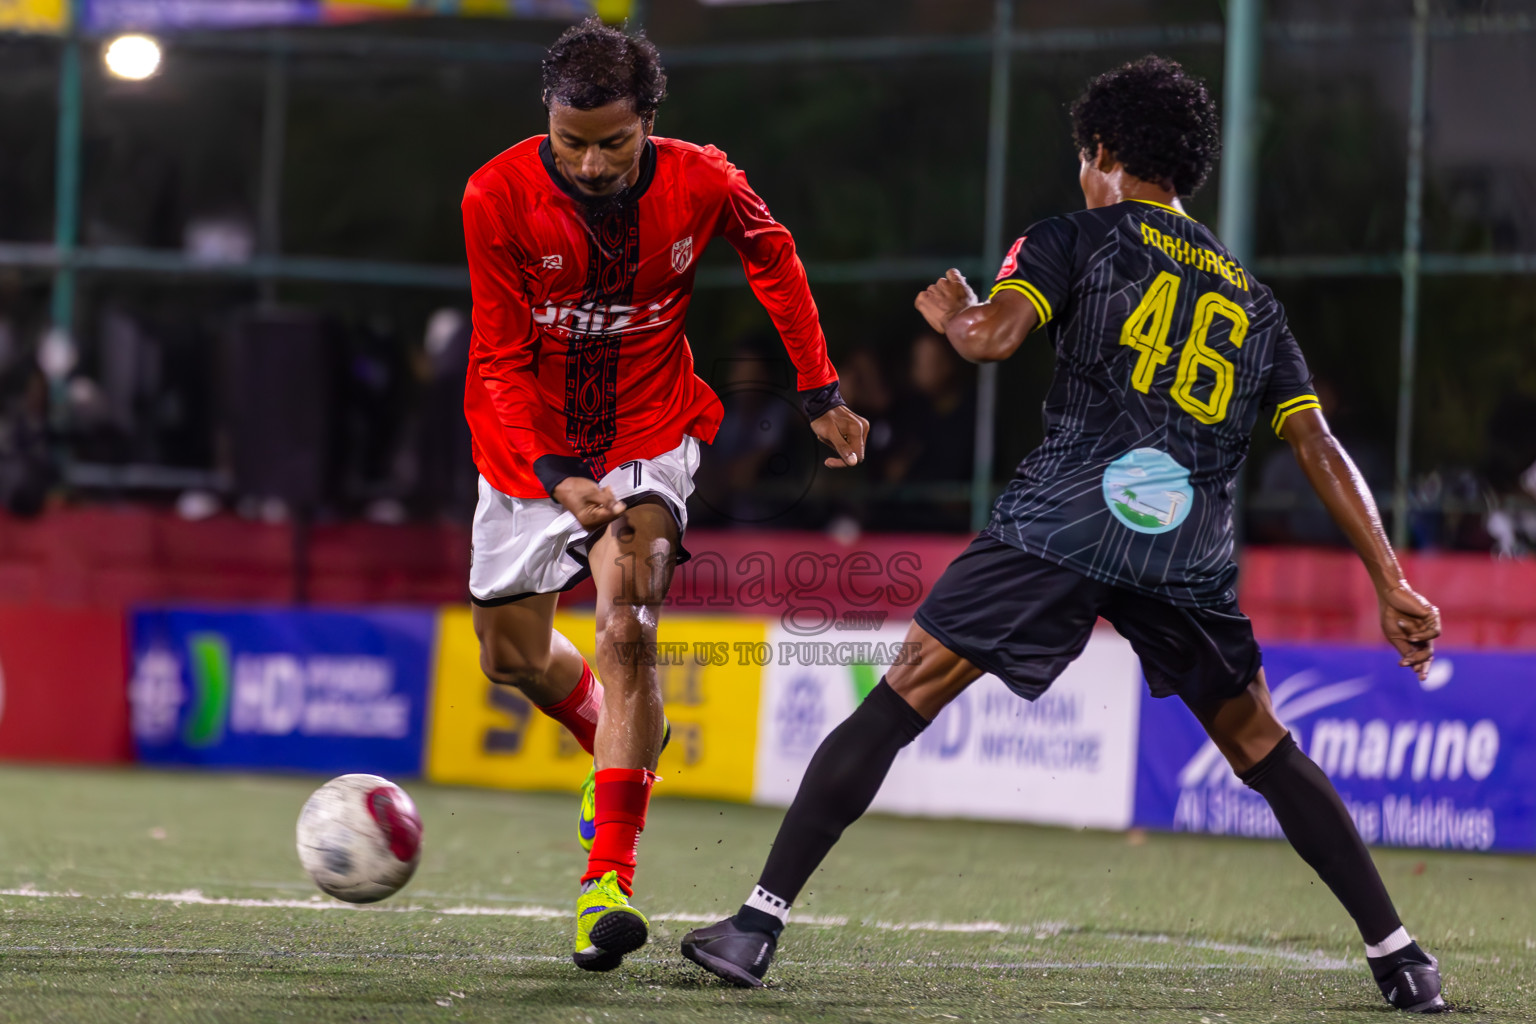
578	347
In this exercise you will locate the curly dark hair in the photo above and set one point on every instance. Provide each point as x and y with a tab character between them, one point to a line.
1156	118
592	65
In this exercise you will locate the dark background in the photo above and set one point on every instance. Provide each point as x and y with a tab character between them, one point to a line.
863	159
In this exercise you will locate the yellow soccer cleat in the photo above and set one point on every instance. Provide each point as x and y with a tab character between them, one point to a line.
607	927
586	822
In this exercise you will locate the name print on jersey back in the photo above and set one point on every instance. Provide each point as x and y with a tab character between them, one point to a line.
1166	351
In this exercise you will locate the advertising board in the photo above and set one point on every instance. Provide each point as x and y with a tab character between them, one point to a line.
1066	758
310	690
1446	763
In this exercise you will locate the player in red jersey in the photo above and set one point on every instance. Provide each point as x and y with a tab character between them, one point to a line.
587	415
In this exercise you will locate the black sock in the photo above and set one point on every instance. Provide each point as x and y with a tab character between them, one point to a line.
1314	820
843	777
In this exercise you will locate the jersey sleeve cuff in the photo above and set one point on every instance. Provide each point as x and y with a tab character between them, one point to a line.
553	469
1030	292
1284	410
817	402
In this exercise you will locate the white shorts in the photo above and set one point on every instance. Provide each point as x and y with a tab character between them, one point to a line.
527	546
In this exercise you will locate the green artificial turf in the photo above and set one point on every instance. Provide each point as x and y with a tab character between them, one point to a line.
112	879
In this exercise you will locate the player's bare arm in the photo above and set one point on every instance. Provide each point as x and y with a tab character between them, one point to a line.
982	332
1409	621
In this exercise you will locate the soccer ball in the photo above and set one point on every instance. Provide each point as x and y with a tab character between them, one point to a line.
360	838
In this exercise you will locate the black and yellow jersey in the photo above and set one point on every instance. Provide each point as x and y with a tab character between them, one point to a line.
1167	353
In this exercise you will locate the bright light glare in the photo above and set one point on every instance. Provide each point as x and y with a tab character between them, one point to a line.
133	57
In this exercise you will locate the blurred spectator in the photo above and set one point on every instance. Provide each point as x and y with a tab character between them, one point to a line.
862	383
1511	521
26	464
935	437
764	458
157	383
1512	445
1448	510
857	498
447	481
94	433
376	387
1284	509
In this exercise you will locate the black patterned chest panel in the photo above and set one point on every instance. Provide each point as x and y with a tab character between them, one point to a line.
592	373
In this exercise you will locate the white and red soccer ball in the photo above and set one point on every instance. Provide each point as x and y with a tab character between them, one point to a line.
360	838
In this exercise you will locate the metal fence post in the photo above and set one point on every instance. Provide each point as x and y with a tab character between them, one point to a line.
66	215
1240	136
992	249
1244	43
1412	248
66	177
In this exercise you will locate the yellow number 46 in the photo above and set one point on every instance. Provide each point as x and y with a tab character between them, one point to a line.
1146	330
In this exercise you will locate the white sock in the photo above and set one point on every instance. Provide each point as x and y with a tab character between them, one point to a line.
768	903
1391	944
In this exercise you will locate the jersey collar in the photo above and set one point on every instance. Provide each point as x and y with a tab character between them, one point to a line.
643	182
1162	206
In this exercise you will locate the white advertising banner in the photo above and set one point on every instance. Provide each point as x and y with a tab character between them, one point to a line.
1065	759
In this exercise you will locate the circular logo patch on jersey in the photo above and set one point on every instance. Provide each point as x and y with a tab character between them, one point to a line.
1148	491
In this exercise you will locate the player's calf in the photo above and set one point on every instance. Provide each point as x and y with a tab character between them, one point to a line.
1319	828
518	648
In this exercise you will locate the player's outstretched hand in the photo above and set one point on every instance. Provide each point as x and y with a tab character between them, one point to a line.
1411	624
940	301
592	505
844	431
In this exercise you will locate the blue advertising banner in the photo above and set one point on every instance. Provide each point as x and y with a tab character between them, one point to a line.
322	691
167	15
1449	763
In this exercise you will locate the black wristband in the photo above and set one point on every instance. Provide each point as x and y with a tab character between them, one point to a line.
817	402
552	469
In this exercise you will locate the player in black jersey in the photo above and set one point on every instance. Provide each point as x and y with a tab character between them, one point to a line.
1167	354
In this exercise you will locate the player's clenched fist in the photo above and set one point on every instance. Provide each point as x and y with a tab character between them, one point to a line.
940	301
844	431
1411	624
592	505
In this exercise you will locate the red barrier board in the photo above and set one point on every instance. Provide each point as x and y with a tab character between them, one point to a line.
113	558
62	695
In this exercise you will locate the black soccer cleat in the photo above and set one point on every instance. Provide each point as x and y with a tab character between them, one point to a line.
734	954
1414	987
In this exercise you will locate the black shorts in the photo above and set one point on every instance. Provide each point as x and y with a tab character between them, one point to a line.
1024	620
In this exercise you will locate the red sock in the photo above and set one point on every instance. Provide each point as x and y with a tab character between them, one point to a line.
623	794
578	711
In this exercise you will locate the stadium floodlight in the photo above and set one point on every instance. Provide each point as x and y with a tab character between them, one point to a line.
133	57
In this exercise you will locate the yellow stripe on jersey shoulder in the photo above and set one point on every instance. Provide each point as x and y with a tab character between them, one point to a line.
1284	410
1030	292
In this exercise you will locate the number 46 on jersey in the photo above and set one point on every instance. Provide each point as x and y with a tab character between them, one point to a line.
1146	330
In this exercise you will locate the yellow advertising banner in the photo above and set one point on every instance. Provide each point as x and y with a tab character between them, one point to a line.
34	15
482	734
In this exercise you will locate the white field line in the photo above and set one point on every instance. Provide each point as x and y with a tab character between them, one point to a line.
1039	930
519	958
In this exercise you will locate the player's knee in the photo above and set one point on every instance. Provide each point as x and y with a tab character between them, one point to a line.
1245	730
625	625
504	661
